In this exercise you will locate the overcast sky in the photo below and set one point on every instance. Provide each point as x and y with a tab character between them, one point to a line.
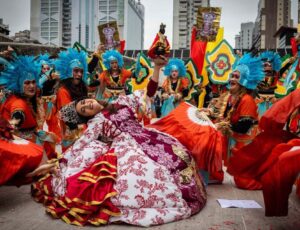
16	13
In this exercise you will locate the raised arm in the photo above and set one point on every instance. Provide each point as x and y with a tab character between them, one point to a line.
153	83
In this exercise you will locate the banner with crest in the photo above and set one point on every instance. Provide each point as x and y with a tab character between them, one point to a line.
208	23
109	35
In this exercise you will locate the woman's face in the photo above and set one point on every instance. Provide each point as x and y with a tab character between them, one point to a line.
29	88
77	75
174	74
114	65
88	107
234	82
45	68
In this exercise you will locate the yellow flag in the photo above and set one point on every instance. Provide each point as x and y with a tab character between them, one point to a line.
210	47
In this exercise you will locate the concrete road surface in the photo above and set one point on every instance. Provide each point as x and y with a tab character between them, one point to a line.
19	211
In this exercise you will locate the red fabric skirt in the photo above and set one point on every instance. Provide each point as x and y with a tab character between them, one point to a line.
17	158
87	197
278	181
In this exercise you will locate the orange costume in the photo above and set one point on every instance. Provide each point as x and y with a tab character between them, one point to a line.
67	62
182	84
14	104
243	108
240	112
17	158
22	117
111	89
32	125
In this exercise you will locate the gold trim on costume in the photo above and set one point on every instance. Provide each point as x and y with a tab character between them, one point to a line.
108	195
108	212
106	163
97	180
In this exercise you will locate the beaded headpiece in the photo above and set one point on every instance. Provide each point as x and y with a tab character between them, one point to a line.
68	114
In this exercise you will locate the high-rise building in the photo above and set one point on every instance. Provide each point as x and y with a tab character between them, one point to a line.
272	14
4	32
46	21
66	23
84	23
298	11
184	17
62	23
294	13
246	35
237	41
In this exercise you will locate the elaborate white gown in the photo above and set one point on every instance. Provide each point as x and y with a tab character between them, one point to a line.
156	180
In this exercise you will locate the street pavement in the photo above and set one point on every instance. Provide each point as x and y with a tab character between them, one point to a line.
19	211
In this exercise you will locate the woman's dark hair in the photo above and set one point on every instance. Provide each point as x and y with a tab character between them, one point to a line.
77	92
110	108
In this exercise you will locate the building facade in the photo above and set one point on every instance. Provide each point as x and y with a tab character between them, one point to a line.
45	21
284	34
272	14
184	17
62	23
237	40
22	36
246	35
4	32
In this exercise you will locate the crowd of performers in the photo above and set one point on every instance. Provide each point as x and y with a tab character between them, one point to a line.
117	165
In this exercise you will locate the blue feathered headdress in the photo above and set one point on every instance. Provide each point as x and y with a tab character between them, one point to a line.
70	59
43	59
273	58
5	64
19	70
251	71
175	64
112	55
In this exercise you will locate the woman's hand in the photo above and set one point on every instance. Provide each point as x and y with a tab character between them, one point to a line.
160	61
178	96
54	75
100	49
43	170
224	128
207	111
165	96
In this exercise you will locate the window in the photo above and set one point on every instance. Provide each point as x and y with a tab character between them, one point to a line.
53	34
54	24
45	34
